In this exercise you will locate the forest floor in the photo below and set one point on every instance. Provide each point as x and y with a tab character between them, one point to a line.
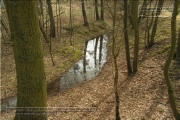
143	96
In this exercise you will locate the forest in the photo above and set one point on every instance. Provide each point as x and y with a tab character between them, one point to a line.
90	59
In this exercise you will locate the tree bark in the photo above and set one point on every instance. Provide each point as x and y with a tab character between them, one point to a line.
168	62
84	13
26	40
41	7
130	12
102	9
96	8
178	49
136	32
114	55
129	69
52	25
143	10
158	11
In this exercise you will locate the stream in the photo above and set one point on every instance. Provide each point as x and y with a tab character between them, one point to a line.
95	53
89	66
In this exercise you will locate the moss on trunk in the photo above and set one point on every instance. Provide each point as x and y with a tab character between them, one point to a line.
31	87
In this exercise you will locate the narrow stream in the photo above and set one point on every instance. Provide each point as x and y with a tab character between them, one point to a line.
88	67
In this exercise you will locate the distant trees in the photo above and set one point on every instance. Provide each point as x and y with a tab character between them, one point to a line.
136	32
31	85
84	13
168	62
143	9
115	54
129	69
96	9
153	33
178	49
152	17
52	24
102	9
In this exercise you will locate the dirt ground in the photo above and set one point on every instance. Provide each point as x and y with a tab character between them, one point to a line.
143	96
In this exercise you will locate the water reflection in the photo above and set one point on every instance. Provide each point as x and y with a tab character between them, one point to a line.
89	66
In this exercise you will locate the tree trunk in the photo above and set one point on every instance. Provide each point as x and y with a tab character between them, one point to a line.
71	22
52	25
43	32
143	10
41	7
84	58
96	8
95	51
116	93
102	9
130	14
151	23
168	62
100	49
84	13
5	28
26	40
129	69
178	49
136	30
158	11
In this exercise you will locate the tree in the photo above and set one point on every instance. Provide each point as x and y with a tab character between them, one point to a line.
129	69
71	22
26	40
40	6
136	32
96	9
143	10
168	62
130	14
84	13
115	55
149	23
52	25
158	11
178	49
102	9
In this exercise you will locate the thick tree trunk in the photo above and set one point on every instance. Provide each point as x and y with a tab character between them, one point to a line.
41	7
26	39
129	69
52	25
84	13
168	62
136	32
